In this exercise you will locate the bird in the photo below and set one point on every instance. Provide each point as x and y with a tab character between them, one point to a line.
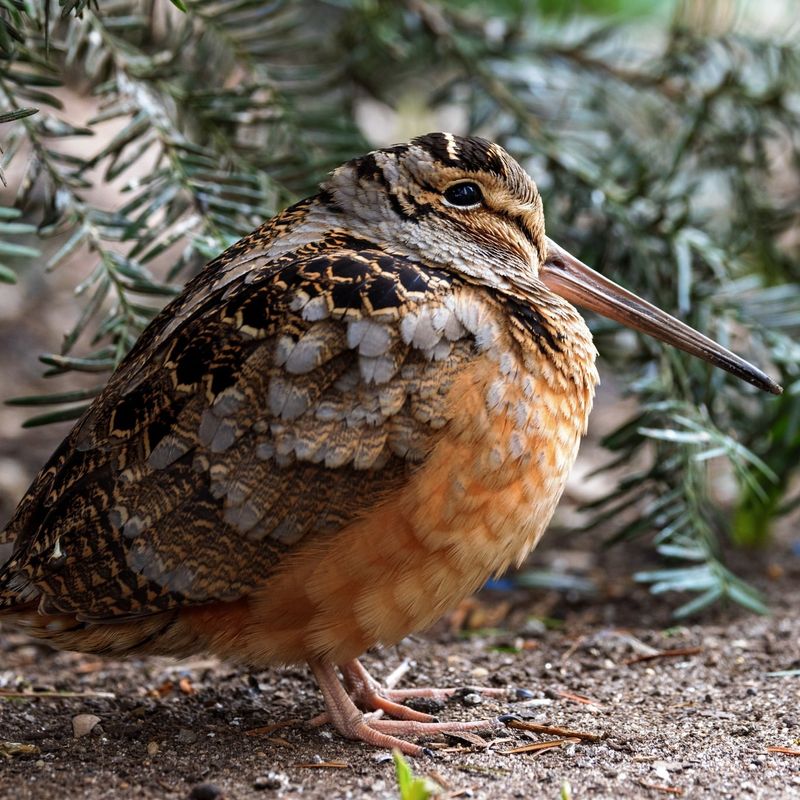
341	428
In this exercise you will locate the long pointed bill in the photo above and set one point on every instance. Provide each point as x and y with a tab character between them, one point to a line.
574	281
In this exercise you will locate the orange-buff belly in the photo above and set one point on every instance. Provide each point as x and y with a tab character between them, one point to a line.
480	503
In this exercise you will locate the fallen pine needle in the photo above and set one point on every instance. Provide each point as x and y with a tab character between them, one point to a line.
787	751
437	777
324	765
537	746
523	725
578	698
15	695
675	653
571	650
658	787
280	741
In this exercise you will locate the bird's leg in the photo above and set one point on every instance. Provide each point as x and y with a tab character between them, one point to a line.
368	694
343	714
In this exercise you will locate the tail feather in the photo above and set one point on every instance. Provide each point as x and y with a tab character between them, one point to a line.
152	635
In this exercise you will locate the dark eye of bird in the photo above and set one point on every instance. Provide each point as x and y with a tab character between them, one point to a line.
463	195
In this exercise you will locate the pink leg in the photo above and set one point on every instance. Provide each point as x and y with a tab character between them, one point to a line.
353	724
368	694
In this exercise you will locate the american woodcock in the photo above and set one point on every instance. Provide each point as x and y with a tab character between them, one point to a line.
343	426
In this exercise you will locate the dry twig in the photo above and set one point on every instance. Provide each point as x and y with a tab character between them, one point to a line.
787	751
56	695
523	725
538	746
579	698
658	787
675	653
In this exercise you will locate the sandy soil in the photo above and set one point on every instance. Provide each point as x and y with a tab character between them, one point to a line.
692	725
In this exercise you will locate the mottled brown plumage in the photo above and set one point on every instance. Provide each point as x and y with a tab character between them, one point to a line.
342	426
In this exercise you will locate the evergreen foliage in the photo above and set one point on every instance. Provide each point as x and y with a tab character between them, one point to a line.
671	162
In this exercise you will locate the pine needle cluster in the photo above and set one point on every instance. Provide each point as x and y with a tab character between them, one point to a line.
670	161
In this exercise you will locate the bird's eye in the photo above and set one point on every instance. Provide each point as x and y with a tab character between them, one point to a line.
463	195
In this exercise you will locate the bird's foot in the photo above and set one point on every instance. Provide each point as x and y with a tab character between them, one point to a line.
361	689
370	695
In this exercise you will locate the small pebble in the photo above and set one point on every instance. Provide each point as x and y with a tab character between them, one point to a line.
205	791
472	699
661	771
187	736
382	758
480	672
83	724
152	748
536	702
272	780
533	627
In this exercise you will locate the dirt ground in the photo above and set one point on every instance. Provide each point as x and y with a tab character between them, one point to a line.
697	724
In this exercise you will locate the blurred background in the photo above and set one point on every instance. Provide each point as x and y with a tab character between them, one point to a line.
142	137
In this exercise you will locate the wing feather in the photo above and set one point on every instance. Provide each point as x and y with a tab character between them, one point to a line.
282	406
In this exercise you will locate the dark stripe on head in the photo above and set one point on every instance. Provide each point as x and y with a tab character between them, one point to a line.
437	145
469	153
397	150
368	169
528	234
519	223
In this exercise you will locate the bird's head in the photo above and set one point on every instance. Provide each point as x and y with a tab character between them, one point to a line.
465	204
453	201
